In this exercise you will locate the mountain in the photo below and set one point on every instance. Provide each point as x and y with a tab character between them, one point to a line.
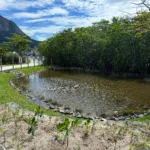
8	27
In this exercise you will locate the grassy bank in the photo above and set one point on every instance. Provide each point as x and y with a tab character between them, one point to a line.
30	70
8	94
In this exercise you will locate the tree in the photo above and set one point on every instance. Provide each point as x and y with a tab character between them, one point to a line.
19	43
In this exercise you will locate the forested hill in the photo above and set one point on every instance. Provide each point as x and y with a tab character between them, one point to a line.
120	45
7	28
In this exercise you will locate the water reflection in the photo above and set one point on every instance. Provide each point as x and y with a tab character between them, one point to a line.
91	93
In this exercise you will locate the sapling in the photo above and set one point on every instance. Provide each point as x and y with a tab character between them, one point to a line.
4	118
32	125
117	136
17	118
3	133
66	128
93	125
87	125
38	112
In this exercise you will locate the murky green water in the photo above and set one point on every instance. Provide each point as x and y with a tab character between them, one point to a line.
88	92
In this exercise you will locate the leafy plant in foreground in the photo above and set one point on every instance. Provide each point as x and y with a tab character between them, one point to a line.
38	112
33	124
87	125
66	128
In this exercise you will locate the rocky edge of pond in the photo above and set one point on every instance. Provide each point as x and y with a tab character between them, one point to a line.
67	111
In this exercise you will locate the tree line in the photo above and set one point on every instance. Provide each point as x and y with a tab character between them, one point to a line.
119	45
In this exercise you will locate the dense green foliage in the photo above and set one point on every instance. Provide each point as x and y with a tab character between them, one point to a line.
120	45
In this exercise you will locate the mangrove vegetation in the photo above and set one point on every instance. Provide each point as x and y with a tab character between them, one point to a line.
121	45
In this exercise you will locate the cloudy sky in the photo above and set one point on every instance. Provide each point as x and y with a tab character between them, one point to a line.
41	19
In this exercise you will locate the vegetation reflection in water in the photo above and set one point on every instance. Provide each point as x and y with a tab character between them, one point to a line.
90	93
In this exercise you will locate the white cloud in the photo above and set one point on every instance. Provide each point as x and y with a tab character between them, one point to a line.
32	31
41	37
107	8
42	13
93	12
24	4
68	21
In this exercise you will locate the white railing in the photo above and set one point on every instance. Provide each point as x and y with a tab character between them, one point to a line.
33	62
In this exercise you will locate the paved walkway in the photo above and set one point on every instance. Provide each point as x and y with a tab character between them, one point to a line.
37	63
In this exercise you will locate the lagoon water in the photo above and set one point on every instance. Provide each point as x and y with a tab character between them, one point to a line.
91	93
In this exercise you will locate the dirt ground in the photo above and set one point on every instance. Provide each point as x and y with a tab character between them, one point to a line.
101	135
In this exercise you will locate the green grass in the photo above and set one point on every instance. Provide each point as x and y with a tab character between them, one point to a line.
8	94
143	119
30	70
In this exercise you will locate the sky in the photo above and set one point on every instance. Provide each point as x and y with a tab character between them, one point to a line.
41	19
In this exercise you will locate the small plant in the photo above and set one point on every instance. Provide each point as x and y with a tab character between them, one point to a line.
38	112
4	118
118	134
93	125
66	128
87	125
141	145
4	134
32	125
17	118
